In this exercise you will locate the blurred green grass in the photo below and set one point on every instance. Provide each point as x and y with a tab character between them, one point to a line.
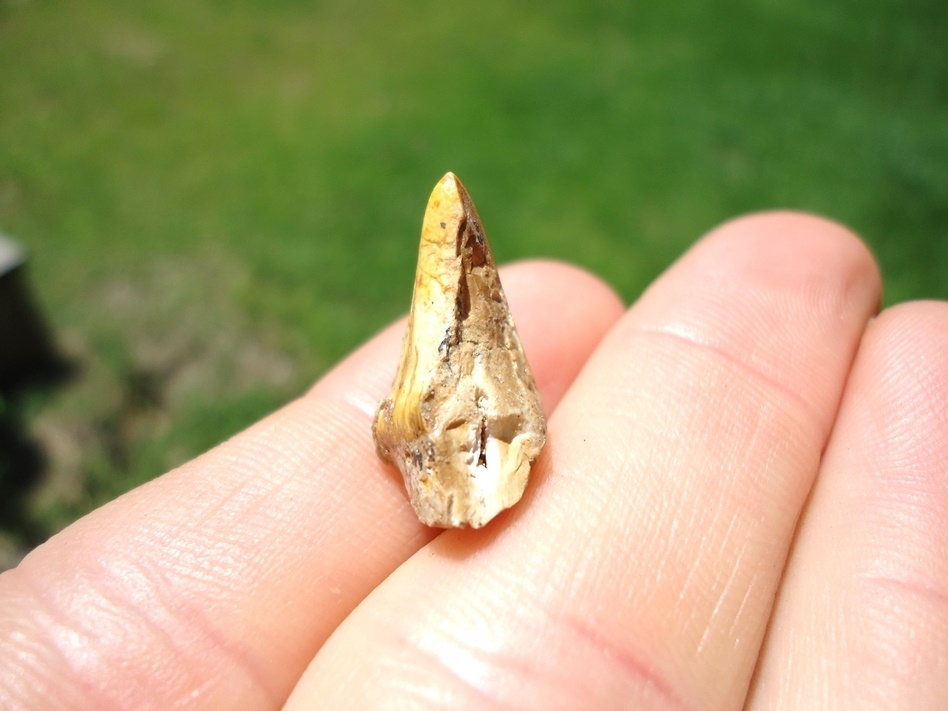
222	199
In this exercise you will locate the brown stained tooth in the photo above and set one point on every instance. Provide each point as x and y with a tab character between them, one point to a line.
464	421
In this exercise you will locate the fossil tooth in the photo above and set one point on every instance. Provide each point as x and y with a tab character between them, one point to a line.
464	421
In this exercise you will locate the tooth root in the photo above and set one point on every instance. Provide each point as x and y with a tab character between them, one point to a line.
464	420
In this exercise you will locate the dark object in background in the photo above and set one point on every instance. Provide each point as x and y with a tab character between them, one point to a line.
27	355
28	362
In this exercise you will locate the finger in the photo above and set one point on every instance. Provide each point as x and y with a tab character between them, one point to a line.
862	620
214	585
640	571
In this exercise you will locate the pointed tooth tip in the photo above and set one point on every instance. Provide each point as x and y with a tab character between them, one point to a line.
449	194
450	184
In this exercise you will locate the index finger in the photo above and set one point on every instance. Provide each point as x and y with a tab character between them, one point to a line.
217	583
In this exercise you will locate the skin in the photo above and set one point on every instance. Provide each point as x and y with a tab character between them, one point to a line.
743	504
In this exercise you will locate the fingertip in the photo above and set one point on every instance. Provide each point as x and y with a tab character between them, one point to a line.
789	226
902	375
786	240
913	327
549	278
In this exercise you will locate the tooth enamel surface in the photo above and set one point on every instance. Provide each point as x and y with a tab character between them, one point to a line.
464	420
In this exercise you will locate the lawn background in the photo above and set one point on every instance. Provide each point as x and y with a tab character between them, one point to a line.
222	199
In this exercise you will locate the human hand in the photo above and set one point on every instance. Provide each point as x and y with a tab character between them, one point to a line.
744	500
